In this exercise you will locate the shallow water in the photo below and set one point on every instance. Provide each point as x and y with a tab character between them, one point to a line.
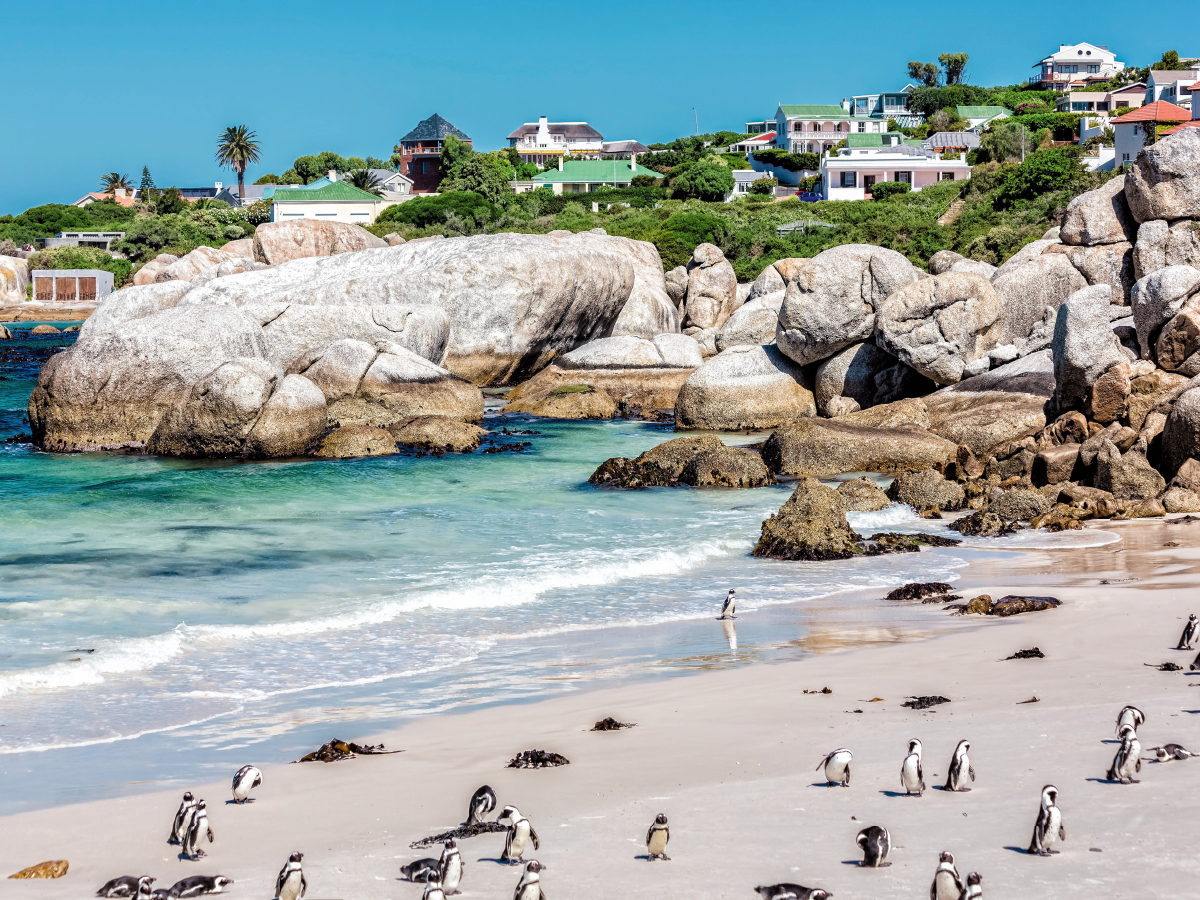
161	616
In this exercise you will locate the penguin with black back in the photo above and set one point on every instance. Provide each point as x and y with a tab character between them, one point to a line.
1189	634
788	891
483	801
125	886
1049	825
875	843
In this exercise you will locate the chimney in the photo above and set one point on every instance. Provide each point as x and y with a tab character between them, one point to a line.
895	141
219	186
560	159
845	104
633	162
333	175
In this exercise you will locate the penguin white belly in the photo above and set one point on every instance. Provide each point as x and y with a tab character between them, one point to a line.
658	842
242	791
1053	824
945	887
291	887
531	891
520	837
909	776
453	874
836	771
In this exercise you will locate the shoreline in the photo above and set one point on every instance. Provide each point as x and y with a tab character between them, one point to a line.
747	795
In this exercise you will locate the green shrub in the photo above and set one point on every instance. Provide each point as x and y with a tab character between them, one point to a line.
764	186
882	190
1043	172
703	180
793	162
51	218
82	258
681	234
424	212
233	232
148	236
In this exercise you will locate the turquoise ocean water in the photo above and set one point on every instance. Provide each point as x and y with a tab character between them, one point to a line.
162	620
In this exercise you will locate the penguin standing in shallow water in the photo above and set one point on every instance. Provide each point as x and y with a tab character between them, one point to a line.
1189	634
837	767
291	885
198	830
1130	715
947	885
657	837
530	885
483	801
246	780
960	769
912	776
520	832
125	886
450	867
974	886
1128	760
1049	826
182	819
787	891
729	606
875	843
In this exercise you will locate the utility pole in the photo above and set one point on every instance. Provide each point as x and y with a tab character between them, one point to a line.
697	118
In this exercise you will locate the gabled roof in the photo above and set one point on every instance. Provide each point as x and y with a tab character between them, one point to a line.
814	110
335	190
982	112
883	139
967	139
435	128
599	171
1190	123
388	175
572	131
1167	76
1158	111
624	147
97	196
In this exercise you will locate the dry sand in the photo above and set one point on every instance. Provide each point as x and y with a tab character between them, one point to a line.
729	756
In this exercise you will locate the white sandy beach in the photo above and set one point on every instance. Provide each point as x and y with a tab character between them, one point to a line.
729	756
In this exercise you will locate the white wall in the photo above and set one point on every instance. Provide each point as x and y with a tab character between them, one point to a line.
362	212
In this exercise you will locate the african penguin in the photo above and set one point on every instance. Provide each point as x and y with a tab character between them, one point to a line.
1195	664
198	830
530	885
125	886
143	889
1130	715
875	842
727	609
788	891
1189	634
450	867
422	869
182	818
520	832
946	883
246	779
198	885
1171	752
291	885
1049	826
974	886
433	890
837	767
960	769
1128	760
483	801
912	776
657	837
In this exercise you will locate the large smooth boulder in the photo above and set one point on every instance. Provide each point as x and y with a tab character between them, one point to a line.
943	260
834	447
811	525
357	441
242	248
1128	476
148	273
1161	244
1110	264
1084	345
676	285
832	298
1027	291
768	283
14	279
216	416
752	324
120	308
233	266
926	490
516	300
744	388
188	267
626	352
941	324
1164	180
987	270
1178	346
866	374
711	288
291	420
280	242
1181	434
1100	216
649	311
1157	298
1029	252
438	434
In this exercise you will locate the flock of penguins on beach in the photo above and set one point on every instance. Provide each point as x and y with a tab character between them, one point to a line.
443	875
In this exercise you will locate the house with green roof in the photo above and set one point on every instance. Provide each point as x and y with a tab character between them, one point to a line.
819	127
327	200
580	176
982	116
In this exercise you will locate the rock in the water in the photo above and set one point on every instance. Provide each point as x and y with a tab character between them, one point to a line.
984	523
1027	291
352	441
751	325
291	421
1180	500
1158	298
938	325
744	388
1084	345
1010	605
438	433
926	490
863	495
561	393
832	298
676	285
44	329
1100	216
54	868
280	242
728	467
866	374
660	466
1020	505
833	447
1164	180
1128	476
711	288
811	525
566	401
5	334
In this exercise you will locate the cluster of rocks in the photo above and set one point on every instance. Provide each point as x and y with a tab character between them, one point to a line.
702	461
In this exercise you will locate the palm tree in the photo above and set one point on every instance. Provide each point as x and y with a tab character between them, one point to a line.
237	147
114	181
365	180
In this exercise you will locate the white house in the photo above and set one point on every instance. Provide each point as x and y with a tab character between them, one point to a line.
326	199
543	141
742	179
884	106
815	128
1172	85
1129	130
982	116
1104	103
763	141
865	162
1075	64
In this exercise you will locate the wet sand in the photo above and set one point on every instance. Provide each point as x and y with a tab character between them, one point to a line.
729	756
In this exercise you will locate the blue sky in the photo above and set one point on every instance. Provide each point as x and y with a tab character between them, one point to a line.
97	87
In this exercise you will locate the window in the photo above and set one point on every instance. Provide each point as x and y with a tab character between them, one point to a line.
1135	129
945	176
849	179
797	126
862	127
424	167
905	177
1093	70
1124	157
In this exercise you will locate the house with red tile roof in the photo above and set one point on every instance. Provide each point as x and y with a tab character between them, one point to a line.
1130	129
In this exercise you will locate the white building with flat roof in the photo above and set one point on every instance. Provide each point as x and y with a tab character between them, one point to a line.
852	173
1075	65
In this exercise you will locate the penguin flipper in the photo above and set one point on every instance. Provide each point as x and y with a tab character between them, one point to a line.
847	781
971	770
537	845
1062	832
303	884
649	834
